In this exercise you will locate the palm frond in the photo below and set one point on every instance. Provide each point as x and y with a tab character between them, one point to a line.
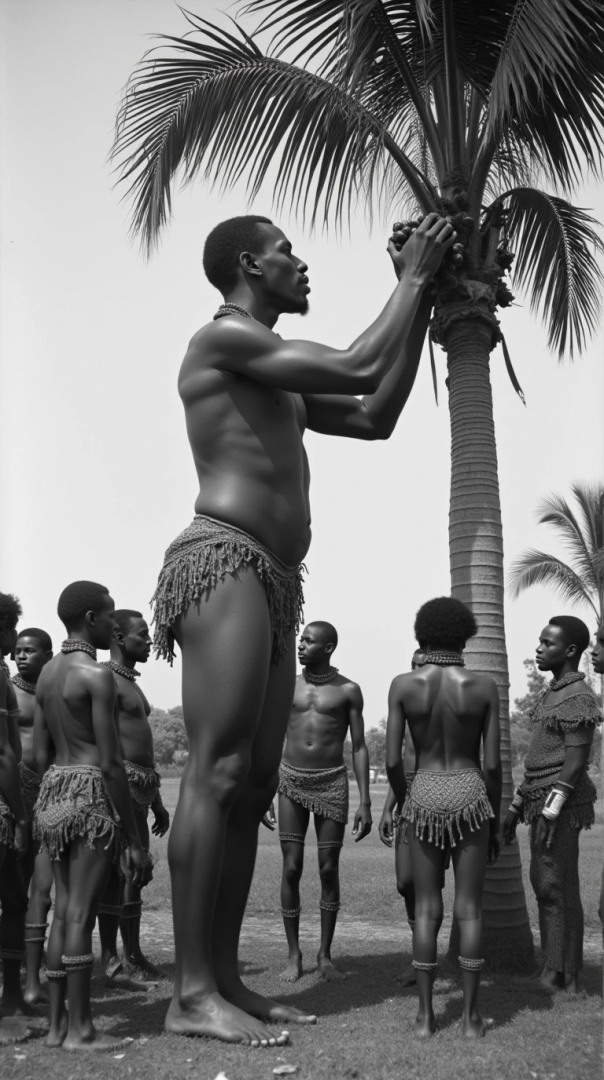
555	511
555	263
220	107
534	567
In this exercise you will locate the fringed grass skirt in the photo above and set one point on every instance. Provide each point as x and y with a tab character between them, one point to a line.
202	556
30	785
322	791
440	802
144	785
7	824
73	805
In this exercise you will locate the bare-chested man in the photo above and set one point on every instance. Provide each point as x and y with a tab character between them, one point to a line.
597	659
131	645
84	810
230	590
13	834
451	804
32	651
313	779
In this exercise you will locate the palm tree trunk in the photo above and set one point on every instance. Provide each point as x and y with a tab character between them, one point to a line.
476	559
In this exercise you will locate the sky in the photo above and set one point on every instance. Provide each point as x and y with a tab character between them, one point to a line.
96	476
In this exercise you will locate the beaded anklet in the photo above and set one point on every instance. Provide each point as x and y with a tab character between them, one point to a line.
470	965
292	912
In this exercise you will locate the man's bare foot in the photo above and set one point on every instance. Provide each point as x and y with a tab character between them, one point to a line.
544	982
328	971
56	1035
14	1029
425	1026
266	1009
572	984
406	977
217	1018
137	963
95	1044
117	978
474	1027
35	995
293	970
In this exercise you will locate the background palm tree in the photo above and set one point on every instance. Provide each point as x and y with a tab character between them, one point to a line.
470	107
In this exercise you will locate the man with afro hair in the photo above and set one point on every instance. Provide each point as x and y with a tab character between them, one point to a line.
452	804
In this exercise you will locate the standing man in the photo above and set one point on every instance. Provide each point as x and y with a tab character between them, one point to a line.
313	778
32	652
451	804
230	591
556	799
597	659
13	827
84	811
131	645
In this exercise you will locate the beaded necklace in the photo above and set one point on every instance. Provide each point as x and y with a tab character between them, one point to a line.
444	658
78	645
128	673
320	680
566	680
233	309
23	684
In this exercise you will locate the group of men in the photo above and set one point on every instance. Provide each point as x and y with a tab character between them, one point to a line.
229	594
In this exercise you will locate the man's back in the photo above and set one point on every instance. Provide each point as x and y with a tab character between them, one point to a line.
446	708
64	693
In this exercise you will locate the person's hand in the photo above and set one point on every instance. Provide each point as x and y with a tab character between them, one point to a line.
269	820
139	865
421	255
509	828
386	828
362	823
21	838
544	834
162	822
494	847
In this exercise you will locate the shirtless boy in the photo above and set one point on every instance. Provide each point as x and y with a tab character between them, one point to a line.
556	799
313	778
13	830
32	651
131	645
451	713
83	793
230	591
597	659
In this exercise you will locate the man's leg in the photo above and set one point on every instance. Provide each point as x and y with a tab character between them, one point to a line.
108	918
55	968
35	927
546	876
13	900
130	922
406	888
226	643
330	836
293	823
427	862
469	864
89	873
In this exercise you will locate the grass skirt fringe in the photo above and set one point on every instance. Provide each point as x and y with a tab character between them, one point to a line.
439	802
7	824
322	791
73	805
202	556
143	783
30	785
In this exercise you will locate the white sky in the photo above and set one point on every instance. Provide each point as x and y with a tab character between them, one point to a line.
95	469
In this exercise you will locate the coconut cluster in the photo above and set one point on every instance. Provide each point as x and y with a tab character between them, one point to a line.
402	230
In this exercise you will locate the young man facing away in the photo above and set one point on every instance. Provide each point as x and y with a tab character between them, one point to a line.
230	591
32	651
556	799
82	795
451	714
313	779
122	905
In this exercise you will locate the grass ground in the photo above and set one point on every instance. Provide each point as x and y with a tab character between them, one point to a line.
365	1024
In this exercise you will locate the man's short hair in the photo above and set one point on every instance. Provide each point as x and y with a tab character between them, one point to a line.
10	611
124	617
444	623
78	598
329	634
38	635
574	631
224	246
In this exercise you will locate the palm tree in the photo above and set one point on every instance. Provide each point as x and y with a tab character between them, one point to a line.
581	579
469	107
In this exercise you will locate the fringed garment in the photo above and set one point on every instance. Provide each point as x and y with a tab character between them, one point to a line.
73	805
322	791
439	803
30	786
144	785
7	824
569	721
202	556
